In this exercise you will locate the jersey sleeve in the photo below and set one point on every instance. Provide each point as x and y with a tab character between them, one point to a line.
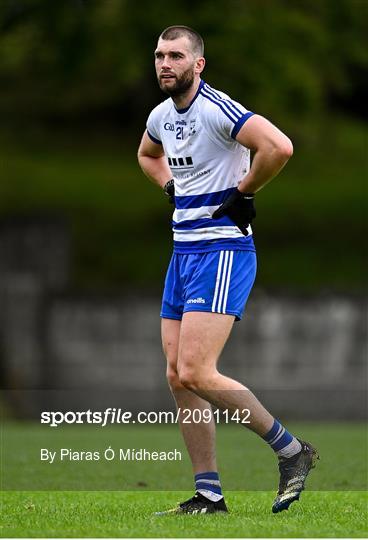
153	127
231	117
239	115
225	117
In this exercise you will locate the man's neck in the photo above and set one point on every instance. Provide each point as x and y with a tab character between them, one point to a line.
184	100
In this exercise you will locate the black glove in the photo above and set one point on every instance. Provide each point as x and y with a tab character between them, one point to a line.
169	190
240	208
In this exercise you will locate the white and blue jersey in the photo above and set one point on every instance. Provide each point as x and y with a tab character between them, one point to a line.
207	164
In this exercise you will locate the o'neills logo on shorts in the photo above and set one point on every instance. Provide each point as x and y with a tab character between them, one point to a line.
196	301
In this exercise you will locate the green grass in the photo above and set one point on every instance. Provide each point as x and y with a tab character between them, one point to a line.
76	499
130	514
343	450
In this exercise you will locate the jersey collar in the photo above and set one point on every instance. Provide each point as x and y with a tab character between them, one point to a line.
182	111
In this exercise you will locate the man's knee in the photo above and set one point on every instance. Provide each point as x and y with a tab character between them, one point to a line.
192	378
173	379
188	378
190	369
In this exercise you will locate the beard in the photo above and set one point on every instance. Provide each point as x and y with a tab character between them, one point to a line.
182	84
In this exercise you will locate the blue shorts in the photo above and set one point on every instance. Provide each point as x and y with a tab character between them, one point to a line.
217	282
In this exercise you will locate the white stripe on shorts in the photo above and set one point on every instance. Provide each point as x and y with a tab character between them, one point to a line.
217	280
228	281
222	281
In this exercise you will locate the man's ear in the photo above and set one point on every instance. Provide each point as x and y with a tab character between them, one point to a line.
199	64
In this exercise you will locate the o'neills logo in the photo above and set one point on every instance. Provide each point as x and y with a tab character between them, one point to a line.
198	300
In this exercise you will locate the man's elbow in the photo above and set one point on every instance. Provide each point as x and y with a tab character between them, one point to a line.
141	156
285	149
140	152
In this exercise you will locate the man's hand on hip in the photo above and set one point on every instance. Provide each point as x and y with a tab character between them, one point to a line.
240	208
169	190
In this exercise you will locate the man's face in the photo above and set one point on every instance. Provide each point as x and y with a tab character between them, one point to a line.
175	65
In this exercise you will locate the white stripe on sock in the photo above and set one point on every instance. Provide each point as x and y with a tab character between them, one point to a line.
291	449
214	497
211	482
277	434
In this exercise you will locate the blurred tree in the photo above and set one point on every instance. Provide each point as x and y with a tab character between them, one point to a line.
92	59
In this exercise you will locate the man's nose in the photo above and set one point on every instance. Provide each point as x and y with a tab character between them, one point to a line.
166	63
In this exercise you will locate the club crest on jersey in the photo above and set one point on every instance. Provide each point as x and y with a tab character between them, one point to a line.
192	127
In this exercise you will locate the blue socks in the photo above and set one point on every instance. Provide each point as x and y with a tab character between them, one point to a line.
281	441
208	484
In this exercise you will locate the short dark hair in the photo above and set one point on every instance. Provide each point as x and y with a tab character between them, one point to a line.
178	31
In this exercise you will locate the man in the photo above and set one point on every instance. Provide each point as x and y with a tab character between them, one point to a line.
197	148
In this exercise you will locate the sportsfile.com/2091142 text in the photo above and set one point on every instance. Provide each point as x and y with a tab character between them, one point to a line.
114	415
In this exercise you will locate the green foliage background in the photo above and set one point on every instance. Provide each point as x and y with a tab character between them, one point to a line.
77	83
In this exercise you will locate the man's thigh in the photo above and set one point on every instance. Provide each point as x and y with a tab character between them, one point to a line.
202	338
170	334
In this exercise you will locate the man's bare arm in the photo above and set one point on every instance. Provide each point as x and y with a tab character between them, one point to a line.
272	149
153	162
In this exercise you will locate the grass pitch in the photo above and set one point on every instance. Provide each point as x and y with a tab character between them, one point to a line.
131	514
93	512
